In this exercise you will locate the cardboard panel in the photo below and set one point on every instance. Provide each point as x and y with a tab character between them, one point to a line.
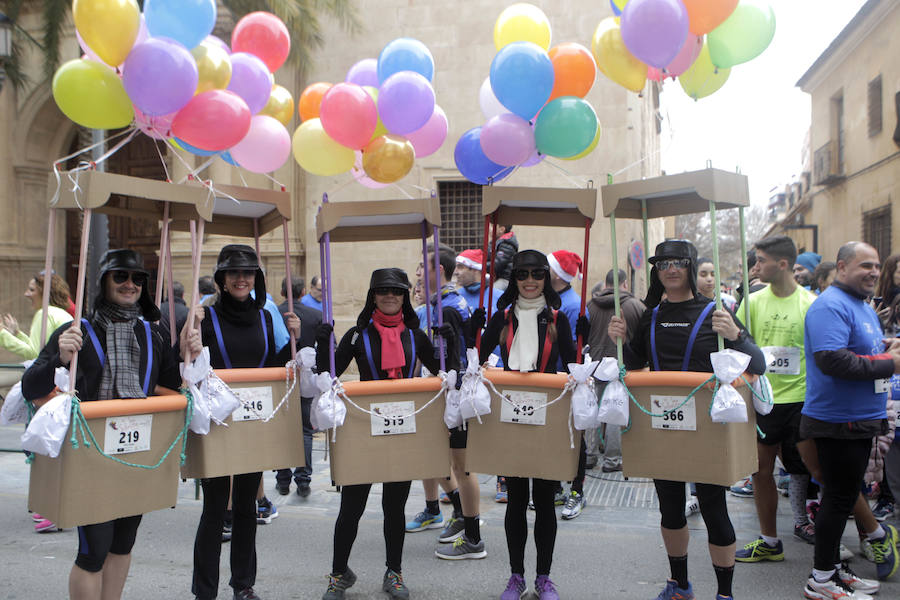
372	220
357	456
550	207
81	487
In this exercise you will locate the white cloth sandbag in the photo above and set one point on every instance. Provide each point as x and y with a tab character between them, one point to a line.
14	411
50	424
762	398
329	408
584	398
613	408
727	404
194	374
475	399
306	358
452	415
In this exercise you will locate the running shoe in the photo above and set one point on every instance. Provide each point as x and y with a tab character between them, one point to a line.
44	525
855	582
573	507
337	583
461	549
883	509
266	512
502	496
283	488
758	550
691	507
845	553
544	588
393	585
560	498
454	529
673	592
721	597
611	468
833	589
303	489
865	548
743	488
246	594
425	520
885	551
807	533
37	517
444	498
226	531
515	588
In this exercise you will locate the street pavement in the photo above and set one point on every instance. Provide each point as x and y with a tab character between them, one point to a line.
613	550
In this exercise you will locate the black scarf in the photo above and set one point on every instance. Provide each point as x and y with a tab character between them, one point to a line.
243	313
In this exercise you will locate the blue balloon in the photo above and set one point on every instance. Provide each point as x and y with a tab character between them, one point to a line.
226	156
194	149
522	78
615	9
405	54
472	162
186	21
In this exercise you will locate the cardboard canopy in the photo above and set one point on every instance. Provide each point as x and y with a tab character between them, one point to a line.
551	207
377	220
671	195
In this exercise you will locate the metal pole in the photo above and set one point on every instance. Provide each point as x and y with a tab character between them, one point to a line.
425	278
79	293
715	241
584	270
170	290
48	270
327	279
616	296
437	279
490	304
484	255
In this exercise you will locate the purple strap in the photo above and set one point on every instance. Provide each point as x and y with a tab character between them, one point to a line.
691	340
217	328
102	355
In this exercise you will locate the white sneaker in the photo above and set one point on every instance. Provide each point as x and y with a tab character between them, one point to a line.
845	553
833	589
865	548
857	583
691	507
574	505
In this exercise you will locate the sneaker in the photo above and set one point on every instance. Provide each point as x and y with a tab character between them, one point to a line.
885	551
833	589
266	512
758	550
721	597
611	468
807	533
393	585
574	505
673	592
845	553
283	488
865	548
36	517
560	498
303	489
444	498
691	507
245	594
501	496
544	588
855	582
337	583
461	549
515	588
44	525
454	529
425	520
812	509
782	483
226	531
883	509
743	488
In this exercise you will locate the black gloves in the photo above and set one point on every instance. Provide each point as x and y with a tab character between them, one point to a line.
477	320
323	332
445	331
582	327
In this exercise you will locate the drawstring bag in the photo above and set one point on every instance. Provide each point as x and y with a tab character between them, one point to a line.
727	404
762	397
452	415
14	411
613	408
194	374
307	360
328	410
475	399
584	399
50	424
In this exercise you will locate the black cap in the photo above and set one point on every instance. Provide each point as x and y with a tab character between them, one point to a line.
241	257
124	259
529	259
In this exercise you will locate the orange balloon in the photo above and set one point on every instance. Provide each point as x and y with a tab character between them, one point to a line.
706	15
311	100
574	70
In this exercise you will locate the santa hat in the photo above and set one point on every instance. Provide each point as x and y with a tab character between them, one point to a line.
471	258
566	265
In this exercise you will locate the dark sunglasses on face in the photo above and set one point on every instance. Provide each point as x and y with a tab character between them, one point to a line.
138	279
679	263
536	274
246	273
384	291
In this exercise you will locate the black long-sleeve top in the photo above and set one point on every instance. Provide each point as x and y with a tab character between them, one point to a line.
352	347
37	382
562	347
243	343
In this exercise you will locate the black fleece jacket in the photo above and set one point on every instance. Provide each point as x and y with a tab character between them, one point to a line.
562	347
243	343
353	347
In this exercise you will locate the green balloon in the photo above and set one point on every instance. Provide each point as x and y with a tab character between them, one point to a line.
565	127
92	95
742	36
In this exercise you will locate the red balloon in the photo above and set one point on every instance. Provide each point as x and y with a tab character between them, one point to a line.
348	115
264	35
213	121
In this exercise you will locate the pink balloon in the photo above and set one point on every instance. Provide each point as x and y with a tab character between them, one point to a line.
360	176
686	56
218	42
349	115
507	139
159	127
213	121
654	74
266	146
427	140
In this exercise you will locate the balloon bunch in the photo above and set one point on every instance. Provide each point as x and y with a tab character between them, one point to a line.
377	121
533	101
166	73
697	41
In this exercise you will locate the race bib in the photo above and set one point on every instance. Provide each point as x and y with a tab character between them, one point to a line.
393	418
256	404
882	385
683	419
124	435
523	408
782	360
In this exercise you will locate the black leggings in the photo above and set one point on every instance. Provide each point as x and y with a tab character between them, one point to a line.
353	503
843	464
516	524
111	537
719	530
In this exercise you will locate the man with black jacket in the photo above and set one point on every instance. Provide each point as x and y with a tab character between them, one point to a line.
180	309
504	249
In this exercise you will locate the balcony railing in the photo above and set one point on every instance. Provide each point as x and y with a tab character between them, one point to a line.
827	167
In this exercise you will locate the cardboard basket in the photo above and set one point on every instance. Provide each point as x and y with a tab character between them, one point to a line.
252	445
516	449
81	487
718	453
361	452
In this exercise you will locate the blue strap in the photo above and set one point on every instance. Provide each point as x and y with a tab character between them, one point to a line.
653	339
412	344
96	342
221	342
368	347
694	332
262	322
102	355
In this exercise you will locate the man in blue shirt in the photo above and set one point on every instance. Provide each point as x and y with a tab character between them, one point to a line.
847	377
314	298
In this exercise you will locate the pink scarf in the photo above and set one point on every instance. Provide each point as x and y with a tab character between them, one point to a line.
389	328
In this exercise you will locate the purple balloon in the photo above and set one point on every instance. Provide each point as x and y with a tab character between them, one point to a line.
251	80
473	164
507	139
364	72
405	102
654	31
534	159
427	140
160	76
218	42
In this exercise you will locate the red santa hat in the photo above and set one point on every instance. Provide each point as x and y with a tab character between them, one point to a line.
471	258
566	265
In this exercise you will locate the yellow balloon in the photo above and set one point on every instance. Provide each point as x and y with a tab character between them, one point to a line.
587	150
318	153
613	58
92	95
380	129
703	78
108	27
388	158
280	105
522	22
213	67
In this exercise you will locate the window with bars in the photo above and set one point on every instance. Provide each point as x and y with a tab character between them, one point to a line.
462	226
875	108
877	230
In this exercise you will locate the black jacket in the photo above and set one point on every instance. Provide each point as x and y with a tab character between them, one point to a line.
309	320
600	309
244	344
352	346
562	347
181	314
507	247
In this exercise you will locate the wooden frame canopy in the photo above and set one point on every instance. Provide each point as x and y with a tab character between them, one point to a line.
548	207
377	220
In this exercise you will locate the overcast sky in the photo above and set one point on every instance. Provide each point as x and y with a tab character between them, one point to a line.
758	120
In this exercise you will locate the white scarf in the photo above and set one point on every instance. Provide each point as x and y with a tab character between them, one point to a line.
523	352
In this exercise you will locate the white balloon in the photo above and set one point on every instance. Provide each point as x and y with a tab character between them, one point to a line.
490	106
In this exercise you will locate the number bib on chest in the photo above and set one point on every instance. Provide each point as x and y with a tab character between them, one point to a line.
124	435
523	408
683	419
782	360
256	404
393	418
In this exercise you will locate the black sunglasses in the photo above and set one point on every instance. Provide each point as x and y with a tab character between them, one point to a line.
384	291
243	272
136	278
536	274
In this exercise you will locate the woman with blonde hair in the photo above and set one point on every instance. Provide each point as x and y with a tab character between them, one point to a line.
28	345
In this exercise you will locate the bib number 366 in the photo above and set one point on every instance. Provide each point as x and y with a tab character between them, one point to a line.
675	415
